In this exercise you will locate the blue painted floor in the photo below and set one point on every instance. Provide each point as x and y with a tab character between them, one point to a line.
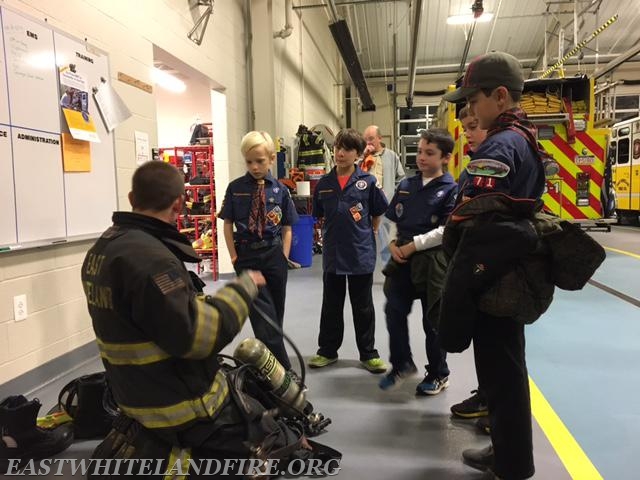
621	272
584	355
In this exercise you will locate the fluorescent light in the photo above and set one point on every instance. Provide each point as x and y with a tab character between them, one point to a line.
468	18
167	81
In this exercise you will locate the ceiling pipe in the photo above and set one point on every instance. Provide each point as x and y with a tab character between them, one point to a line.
288	26
616	62
493	27
467	45
344	3
578	47
333	10
558	24
477	10
248	53
394	114
527	63
366	34
342	36
413	62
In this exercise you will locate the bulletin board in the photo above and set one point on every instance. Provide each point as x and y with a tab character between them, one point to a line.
44	200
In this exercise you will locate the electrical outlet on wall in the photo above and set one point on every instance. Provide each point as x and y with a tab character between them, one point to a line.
20	307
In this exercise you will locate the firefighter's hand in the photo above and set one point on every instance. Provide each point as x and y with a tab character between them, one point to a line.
305	444
257	278
396	254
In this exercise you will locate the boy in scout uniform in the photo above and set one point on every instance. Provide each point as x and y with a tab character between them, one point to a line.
492	87
420	207
351	205
262	212
476	405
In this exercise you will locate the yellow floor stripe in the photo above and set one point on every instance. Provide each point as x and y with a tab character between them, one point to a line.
624	252
571	454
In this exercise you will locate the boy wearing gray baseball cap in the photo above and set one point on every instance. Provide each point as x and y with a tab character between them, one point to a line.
511	162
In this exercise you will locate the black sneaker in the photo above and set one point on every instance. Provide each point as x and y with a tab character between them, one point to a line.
395	377
480	459
484	425
473	407
432	385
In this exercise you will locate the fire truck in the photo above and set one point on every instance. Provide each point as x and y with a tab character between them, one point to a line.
563	110
624	163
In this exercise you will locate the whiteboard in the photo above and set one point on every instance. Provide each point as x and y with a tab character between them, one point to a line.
4	94
42	203
38	185
7	200
90	197
31	73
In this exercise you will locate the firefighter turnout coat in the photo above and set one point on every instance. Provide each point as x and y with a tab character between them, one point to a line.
158	336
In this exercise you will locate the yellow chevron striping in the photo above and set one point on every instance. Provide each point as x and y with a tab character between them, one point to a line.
573	169
551	203
579	147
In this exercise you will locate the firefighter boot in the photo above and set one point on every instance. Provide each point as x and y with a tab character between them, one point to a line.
90	419
22	439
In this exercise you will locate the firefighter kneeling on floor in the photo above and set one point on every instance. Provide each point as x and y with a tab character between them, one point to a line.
159	339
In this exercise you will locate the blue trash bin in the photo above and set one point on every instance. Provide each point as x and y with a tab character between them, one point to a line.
302	241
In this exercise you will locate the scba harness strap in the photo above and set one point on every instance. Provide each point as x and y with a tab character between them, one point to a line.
262	435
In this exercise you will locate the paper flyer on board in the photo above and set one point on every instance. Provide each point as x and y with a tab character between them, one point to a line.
74	101
143	153
76	154
112	109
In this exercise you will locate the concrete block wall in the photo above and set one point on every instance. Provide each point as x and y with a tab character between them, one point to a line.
307	71
58	321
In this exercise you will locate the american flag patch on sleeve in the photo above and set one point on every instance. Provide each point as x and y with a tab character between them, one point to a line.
168	281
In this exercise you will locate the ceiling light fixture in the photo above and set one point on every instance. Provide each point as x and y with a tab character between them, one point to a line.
469	18
167	81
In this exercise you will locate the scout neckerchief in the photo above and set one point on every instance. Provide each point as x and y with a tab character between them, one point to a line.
516	120
257	219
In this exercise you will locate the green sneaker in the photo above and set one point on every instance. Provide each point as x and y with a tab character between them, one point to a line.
319	361
374	365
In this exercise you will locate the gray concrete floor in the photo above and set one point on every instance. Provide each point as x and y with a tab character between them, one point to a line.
381	435
622	237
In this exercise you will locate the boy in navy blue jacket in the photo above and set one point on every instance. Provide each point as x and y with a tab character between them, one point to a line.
262	212
492	87
476	404
420	208
352	207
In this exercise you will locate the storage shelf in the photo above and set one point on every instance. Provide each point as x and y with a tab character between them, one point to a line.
200	165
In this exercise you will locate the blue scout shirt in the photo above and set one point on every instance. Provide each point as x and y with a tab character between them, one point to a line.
523	176
237	206
418	208
349	245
